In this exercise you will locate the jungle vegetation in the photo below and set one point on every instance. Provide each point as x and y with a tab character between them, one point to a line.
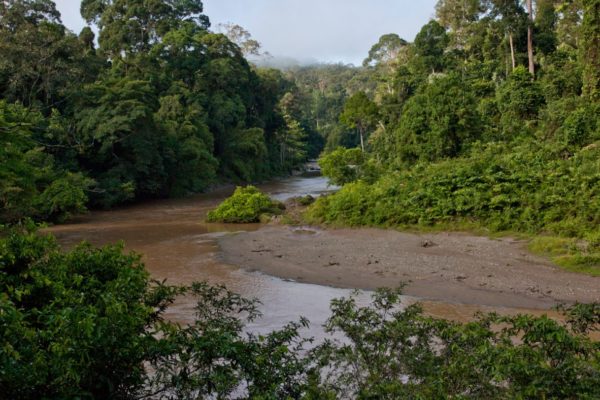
488	120
159	105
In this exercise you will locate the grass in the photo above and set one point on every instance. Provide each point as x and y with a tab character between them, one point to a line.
570	254
588	264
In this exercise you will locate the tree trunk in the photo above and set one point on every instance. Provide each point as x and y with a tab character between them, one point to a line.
590	50
512	51
530	38
362	140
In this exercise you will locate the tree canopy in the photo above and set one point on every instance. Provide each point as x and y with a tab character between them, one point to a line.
162	107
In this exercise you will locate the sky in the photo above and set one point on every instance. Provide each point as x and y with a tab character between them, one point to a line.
308	30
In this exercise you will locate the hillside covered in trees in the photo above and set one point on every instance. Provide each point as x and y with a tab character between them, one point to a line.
489	119
160	106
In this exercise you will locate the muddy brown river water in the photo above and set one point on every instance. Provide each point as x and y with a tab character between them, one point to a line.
178	246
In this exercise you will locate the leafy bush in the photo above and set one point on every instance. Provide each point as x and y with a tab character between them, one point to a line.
393	352
342	165
89	324
77	324
528	189
582	126
31	182
246	205
519	100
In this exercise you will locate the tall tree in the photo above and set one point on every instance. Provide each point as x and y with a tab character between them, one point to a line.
590	50
386	50
430	44
530	37
39	58
568	30
360	113
511	14
385	57
133	26
546	19
123	143
459	16
243	38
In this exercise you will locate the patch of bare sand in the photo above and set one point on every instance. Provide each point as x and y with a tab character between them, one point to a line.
448	267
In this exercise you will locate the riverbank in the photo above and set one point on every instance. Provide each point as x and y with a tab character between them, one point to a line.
448	267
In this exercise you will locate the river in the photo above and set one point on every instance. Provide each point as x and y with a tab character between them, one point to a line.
177	245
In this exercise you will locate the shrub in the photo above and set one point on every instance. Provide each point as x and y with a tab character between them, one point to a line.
246	205
519	100
89	324
393	352
582	127
342	165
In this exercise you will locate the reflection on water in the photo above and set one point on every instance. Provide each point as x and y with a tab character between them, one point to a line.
178	246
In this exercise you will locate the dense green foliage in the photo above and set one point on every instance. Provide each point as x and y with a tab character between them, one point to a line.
526	189
322	91
397	352
343	166
88	323
591	49
31	181
75	324
454	130
162	107
246	204
464	135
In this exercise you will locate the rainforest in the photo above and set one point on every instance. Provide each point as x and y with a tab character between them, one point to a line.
185	216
